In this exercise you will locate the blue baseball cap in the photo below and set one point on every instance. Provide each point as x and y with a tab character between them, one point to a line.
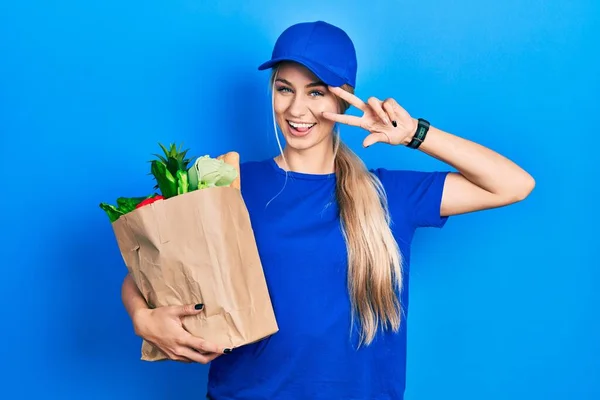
323	48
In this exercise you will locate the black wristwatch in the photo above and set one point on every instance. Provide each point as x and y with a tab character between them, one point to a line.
419	136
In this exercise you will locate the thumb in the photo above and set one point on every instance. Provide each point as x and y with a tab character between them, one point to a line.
189	309
376	137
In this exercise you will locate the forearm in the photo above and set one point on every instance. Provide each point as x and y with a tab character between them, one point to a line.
481	166
131	297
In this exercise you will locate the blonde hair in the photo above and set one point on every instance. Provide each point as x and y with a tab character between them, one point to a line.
374	259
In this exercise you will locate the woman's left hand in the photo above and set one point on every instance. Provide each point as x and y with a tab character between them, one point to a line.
386	120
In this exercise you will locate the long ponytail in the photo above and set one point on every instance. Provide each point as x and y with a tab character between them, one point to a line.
374	259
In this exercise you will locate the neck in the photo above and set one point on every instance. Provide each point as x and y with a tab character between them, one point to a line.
316	160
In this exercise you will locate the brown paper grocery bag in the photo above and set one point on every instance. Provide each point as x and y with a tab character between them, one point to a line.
199	247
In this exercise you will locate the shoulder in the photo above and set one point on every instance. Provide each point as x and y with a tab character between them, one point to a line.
415	194
408	181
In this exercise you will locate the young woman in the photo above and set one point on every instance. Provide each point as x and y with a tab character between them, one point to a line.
334	238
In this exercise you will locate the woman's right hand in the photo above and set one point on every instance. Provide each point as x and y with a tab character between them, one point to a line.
163	327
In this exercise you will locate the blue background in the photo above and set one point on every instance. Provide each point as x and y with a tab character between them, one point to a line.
504	302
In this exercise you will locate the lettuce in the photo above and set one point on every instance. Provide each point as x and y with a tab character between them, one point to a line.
210	172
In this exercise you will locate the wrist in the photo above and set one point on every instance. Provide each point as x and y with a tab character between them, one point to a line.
139	318
408	138
421	128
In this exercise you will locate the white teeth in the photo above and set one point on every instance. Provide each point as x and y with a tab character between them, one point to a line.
295	125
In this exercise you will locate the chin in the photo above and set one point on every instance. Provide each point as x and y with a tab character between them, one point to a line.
299	145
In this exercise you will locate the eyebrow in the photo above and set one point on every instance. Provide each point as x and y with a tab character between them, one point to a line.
310	85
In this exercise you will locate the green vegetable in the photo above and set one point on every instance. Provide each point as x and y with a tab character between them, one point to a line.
124	205
182	182
174	159
127	204
170	171
112	211
210	172
164	179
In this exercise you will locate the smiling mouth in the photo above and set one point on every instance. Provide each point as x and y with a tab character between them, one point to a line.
301	128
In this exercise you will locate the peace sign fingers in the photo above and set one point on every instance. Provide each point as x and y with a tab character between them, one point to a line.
345	119
372	109
377	107
386	121
349	97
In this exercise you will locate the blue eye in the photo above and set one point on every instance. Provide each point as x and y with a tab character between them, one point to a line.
314	93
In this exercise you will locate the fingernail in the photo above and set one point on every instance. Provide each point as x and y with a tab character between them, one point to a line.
395	124
199	306
227	351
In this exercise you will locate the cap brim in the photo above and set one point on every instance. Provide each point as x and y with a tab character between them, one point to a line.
323	73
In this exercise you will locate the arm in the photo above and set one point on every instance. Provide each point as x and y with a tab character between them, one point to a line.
163	327
485	179
132	299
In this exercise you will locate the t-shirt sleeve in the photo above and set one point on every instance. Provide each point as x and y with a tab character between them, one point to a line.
415	194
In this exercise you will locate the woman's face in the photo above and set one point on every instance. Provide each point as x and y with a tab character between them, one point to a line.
299	99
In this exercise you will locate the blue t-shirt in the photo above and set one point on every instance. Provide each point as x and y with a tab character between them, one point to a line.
303	253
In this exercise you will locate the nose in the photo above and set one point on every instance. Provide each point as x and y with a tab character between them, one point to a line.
298	108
